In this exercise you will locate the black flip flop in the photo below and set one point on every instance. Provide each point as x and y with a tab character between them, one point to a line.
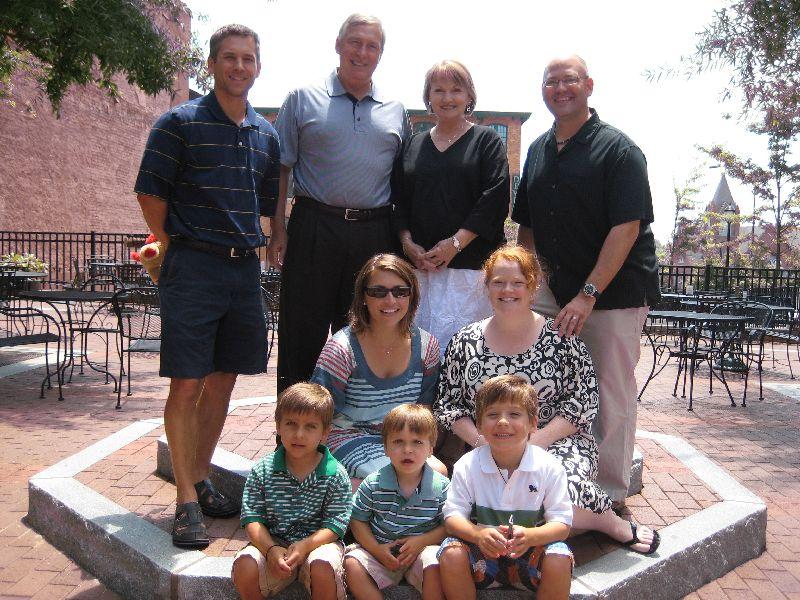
189	530
653	545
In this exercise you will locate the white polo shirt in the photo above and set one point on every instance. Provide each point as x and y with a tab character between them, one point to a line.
535	494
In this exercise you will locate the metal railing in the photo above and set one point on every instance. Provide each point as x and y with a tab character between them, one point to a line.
69	254
776	286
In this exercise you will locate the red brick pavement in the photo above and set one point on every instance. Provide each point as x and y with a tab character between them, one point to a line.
759	445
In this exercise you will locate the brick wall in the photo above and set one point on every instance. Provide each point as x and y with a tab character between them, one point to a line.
76	173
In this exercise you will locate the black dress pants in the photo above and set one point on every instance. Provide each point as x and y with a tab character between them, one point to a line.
323	256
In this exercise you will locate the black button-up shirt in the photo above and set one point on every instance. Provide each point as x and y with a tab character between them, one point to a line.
572	199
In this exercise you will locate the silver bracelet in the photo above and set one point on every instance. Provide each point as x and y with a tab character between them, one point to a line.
477	439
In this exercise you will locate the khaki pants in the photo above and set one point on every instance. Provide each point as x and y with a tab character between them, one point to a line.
613	339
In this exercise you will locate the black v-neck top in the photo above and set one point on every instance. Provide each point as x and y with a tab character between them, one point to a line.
466	186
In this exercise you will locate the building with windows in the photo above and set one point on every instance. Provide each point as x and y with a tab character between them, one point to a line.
507	124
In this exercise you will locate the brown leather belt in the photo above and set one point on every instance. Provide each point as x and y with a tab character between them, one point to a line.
224	251
348	214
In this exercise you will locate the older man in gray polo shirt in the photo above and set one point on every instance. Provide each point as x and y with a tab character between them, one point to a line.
340	140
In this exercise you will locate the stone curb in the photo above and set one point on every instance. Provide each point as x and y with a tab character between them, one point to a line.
137	560
131	556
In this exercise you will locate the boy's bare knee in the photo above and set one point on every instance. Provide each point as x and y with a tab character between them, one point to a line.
321	568
351	565
453	556
244	568
556	564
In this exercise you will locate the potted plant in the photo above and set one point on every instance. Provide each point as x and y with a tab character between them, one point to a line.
26	262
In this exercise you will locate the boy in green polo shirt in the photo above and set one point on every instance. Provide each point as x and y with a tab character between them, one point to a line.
397	512
296	505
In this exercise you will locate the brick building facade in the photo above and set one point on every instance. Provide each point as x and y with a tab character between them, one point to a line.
507	124
76	173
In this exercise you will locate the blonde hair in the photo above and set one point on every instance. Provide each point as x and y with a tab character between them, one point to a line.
417	417
450	69
507	388
527	261
305	398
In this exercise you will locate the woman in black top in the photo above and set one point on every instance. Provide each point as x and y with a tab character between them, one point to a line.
451	193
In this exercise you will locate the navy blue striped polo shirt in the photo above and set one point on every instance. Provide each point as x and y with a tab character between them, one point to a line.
217	177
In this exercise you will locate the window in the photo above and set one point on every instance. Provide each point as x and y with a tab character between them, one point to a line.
420	126
502	131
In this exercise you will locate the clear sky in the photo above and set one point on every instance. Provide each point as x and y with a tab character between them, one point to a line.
506	45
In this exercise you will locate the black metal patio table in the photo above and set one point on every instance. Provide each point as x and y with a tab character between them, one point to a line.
71	326
691	327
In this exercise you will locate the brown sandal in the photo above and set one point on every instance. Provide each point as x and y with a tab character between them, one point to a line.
189	530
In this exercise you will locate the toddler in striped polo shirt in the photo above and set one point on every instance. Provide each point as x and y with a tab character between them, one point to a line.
296	505
397	512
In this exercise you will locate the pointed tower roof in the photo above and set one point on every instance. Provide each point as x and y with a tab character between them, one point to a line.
722	197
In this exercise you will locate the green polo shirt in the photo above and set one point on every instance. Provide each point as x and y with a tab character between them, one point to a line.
292	509
390	515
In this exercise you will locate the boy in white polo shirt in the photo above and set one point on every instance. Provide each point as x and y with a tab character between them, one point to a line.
508	507
397	512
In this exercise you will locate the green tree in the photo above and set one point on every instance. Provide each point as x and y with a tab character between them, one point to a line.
65	42
772	185
682	239
758	41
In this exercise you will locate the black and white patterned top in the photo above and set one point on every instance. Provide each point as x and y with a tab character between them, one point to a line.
561	370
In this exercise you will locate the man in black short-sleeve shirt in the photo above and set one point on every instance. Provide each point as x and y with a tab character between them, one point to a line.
584	205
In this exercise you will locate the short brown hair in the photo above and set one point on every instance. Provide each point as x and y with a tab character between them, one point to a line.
358	19
359	315
450	69
507	388
304	398
417	417
229	30
527	261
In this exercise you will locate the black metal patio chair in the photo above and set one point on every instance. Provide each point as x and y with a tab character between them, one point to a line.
22	325
270	303
785	328
745	345
138	312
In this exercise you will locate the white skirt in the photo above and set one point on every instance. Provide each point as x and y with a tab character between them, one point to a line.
450	299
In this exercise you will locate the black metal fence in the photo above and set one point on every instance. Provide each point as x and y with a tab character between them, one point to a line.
778	286
69	254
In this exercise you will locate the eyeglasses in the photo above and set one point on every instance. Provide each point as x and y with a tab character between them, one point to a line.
567	81
378	291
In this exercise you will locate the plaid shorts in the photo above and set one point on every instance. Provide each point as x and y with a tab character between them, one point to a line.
523	573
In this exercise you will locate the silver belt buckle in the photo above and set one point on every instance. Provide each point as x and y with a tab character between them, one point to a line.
347	216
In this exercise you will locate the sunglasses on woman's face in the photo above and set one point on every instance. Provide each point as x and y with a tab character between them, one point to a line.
378	291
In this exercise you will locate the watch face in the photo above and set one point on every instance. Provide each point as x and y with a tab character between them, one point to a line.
589	289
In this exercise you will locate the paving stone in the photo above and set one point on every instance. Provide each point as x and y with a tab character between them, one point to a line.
36	433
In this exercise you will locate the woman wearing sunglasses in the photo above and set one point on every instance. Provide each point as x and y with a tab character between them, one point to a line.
379	361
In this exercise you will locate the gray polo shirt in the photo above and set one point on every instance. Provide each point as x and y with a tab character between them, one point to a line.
341	151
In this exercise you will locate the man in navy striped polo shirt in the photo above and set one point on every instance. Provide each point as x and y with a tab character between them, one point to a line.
208	174
339	140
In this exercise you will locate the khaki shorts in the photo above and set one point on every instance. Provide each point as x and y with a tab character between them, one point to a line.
271	585
384	578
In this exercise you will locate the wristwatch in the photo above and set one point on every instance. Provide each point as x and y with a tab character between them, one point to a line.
456	244
590	289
